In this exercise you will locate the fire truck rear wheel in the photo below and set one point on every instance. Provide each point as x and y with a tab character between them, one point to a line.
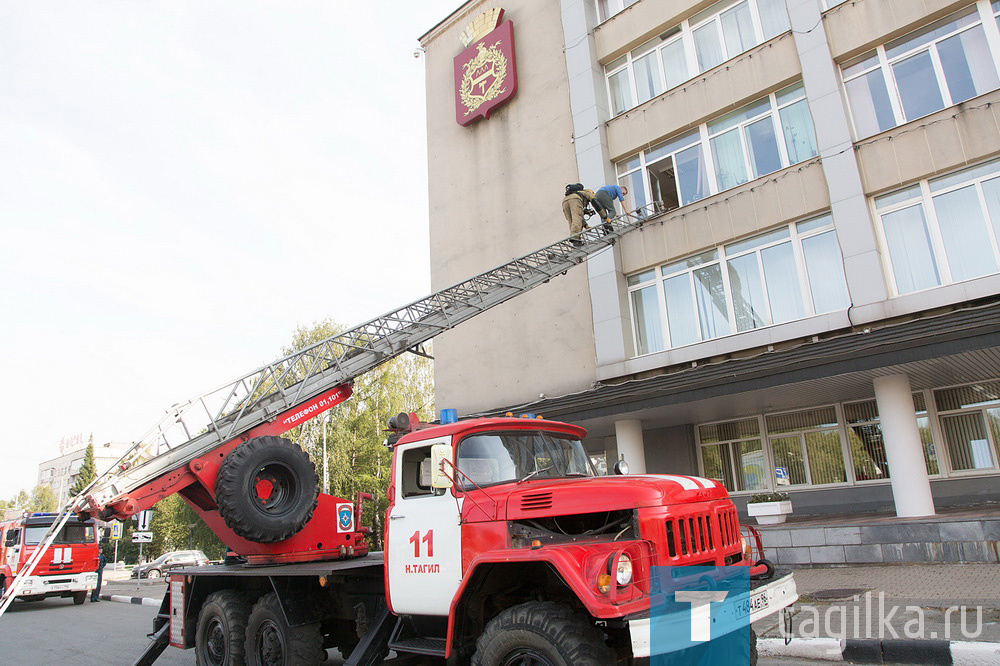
542	633
271	642
267	489
222	628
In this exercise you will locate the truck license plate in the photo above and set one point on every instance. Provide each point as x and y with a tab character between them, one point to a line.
752	604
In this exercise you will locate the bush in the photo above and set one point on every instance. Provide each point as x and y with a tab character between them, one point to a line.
769	497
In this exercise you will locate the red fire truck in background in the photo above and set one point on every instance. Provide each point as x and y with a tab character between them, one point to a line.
67	569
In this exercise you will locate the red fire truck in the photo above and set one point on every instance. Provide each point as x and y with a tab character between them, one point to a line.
67	569
503	545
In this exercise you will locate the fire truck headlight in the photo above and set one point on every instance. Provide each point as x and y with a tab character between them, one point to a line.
623	572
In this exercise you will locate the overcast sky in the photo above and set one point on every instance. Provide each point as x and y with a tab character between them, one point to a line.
182	184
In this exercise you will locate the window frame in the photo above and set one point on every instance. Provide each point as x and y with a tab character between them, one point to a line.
659	275
685	33
937	244
885	64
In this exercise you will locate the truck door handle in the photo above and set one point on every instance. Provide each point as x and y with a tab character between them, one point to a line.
396	516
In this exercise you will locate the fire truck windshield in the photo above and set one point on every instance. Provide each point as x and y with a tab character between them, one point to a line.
491	458
70	533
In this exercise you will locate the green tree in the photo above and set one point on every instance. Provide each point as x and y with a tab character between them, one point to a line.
355	431
88	471
175	526
42	500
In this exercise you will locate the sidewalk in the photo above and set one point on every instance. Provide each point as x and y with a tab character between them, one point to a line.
875	608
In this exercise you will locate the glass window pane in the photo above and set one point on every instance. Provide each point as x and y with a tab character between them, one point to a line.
929	33
707	46
918	87
647	77
897	197
692	175
690	262
930	450
815	223
737	28
757	241
730	163
751	465
621	92
716	462
672	145
859	64
967	64
963	229
910	250
800	138
711	299
826	458
648	330
973	395
675	65
763	147
682	321
729	430
823	417
870	105
861	412
790	93
639	278
991	192
734	118
773	17
968	444
636	197
783	284
788	454
868	452
963	176
825	270
748	293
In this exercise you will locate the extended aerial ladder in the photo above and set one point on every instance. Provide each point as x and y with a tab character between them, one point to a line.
185	450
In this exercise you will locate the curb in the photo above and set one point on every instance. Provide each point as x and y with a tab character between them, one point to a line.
142	601
875	651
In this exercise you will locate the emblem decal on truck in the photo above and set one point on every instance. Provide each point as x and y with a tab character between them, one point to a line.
345	517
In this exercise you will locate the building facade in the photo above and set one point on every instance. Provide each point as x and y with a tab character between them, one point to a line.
61	472
816	309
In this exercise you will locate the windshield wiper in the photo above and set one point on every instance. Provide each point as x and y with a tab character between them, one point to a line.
537	471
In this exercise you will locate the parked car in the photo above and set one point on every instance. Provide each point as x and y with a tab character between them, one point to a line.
172	560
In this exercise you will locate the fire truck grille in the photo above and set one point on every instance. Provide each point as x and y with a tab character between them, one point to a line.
703	532
536	501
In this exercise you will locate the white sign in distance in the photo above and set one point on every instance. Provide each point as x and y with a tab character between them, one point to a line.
142	537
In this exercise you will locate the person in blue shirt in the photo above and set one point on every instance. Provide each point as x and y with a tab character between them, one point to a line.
606	196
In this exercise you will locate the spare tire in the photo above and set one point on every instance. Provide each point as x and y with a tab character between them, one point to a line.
267	489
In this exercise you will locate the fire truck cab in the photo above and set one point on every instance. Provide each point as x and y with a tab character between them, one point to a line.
67	569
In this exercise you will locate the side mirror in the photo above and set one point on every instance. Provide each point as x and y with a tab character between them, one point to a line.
621	467
440	457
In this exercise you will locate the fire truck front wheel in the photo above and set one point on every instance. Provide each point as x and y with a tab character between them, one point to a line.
270	641
221	631
542	633
267	489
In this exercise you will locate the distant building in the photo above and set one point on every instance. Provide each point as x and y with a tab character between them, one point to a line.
817	310
62	472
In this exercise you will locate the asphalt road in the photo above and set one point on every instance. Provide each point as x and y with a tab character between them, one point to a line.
55	631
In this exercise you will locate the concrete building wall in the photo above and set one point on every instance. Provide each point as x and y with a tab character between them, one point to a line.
495	193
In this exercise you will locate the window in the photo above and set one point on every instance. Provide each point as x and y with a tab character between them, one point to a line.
864	433
788	273
608	8
491	458
970	422
415	472
733	454
944	63
760	138
807	446
717	34
943	230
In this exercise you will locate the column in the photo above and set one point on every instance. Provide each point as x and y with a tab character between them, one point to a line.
628	434
911	490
